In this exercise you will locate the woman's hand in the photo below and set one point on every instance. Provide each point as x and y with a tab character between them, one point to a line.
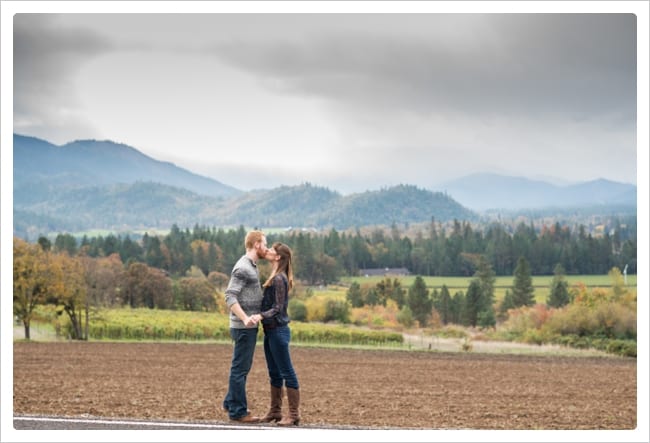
253	320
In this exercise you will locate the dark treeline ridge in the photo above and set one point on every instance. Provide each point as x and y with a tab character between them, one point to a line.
452	249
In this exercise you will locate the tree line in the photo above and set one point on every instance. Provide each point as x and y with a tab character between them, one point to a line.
474	307
436	250
187	270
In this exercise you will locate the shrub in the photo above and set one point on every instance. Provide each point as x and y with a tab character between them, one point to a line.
336	310
377	315
297	310
452	332
405	316
316	308
625	348
337	334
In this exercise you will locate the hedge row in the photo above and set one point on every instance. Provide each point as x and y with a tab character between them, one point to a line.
148	324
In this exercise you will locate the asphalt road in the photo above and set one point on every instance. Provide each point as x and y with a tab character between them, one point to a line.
98	423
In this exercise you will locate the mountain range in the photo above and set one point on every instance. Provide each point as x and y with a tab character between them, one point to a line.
89	184
490	191
96	163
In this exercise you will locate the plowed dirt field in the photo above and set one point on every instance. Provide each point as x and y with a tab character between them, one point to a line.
383	389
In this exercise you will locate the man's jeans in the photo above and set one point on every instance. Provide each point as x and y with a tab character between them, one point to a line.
242	360
278	359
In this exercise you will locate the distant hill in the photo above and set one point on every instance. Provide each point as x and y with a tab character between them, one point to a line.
40	166
89	185
146	205
490	191
313	206
118	208
402	203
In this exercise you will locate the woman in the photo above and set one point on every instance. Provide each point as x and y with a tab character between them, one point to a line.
277	335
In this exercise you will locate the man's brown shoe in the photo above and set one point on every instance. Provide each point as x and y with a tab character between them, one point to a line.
246	419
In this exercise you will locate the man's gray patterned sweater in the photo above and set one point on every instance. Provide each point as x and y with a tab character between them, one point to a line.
244	288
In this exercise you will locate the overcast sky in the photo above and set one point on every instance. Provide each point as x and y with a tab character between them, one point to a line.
348	101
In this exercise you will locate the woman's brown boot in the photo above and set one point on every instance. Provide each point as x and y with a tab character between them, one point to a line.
293	418
275	411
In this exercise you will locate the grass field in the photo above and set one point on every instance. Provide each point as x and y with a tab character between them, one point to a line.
541	283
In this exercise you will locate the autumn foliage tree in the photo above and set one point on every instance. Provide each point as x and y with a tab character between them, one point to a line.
196	294
103	277
218	279
41	276
68	290
147	287
30	281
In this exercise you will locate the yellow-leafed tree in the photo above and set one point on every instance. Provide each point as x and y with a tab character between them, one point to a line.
68	289
30	280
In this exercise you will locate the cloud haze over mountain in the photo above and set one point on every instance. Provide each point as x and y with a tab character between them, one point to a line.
351	101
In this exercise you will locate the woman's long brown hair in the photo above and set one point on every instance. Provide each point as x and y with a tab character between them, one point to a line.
284	265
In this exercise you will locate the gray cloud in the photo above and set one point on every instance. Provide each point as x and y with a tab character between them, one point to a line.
446	94
46	56
574	64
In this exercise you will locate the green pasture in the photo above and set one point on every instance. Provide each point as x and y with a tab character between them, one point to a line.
541	283
94	233
500	281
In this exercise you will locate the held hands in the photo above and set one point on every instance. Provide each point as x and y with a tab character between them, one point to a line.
253	320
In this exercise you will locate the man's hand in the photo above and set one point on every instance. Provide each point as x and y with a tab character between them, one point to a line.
253	320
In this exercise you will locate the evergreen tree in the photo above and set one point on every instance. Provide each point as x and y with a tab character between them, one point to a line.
473	302
130	250
486	318
398	293
214	259
419	301
444	308
522	290
65	242
383	289
486	278
498	249
332	246
111	245
305	259
388	289
153	253
435	299
457	308
360	257
45	243
371	298
559	295
506	304
354	295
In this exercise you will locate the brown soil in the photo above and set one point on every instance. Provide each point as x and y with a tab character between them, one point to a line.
389	389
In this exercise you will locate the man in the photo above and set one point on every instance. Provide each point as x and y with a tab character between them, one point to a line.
244	299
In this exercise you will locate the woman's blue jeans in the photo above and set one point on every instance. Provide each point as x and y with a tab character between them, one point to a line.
242	360
278	360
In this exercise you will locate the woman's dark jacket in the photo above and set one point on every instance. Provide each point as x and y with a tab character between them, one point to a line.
275	303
